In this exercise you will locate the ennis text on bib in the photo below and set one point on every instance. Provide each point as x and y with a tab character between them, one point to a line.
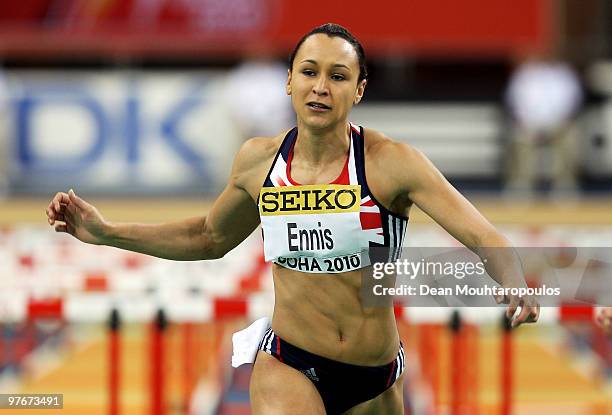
324	228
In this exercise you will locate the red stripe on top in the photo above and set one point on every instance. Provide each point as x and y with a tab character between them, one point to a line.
280	181
344	174
370	202
370	220
343	178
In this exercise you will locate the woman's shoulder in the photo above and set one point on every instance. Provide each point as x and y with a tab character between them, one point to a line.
382	149
397	164
257	151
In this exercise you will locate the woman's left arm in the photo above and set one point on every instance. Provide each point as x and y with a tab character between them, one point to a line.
416	177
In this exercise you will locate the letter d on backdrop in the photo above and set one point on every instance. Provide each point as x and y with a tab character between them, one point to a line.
46	114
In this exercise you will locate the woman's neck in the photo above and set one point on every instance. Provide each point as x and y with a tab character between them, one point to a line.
323	146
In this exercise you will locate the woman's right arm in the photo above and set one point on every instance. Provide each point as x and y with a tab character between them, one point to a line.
231	219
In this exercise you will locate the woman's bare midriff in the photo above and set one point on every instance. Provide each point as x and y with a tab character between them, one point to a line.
323	314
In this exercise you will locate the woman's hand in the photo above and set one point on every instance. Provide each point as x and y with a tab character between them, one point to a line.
530	308
68	213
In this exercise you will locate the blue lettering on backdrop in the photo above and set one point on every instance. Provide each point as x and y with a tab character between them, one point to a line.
132	122
125	128
35	100
170	127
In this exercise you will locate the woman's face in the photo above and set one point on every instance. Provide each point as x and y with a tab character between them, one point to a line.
323	81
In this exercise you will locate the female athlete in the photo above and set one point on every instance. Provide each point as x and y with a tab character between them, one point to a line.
321	192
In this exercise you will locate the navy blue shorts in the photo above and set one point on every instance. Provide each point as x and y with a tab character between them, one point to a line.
341	385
